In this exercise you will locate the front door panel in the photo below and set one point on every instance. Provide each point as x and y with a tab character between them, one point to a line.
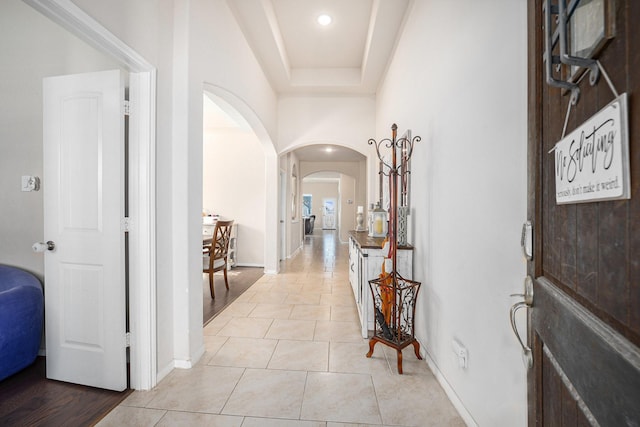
584	326
328	214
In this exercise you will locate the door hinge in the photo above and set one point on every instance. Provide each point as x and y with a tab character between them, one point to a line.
126	224
127	339
127	108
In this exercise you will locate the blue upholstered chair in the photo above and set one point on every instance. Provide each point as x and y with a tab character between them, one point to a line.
21	319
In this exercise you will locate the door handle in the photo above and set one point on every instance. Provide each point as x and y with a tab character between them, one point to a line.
527	354
41	247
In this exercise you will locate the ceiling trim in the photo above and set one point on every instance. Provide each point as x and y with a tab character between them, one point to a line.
261	24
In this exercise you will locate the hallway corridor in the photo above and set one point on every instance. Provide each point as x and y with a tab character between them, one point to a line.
288	353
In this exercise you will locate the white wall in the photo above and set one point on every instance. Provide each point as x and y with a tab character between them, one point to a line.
353	186
347	212
342	120
458	79
32	48
233	177
463	91
148	27
349	121
357	170
210	45
194	44
320	190
343	189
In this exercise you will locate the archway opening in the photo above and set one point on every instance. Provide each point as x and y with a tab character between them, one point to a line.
233	172
334	185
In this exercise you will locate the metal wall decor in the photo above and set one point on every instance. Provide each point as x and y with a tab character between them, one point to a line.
583	26
591	24
394	297
403	211
405	169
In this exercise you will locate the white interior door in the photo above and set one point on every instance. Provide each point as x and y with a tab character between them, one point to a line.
83	189
329	214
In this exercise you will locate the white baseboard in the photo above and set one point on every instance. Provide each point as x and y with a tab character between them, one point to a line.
449	391
164	372
182	363
196	357
247	264
293	255
189	363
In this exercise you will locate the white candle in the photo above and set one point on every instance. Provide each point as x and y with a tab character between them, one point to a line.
360	209
377	224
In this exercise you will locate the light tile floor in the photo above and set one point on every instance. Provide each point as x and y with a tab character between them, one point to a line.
288	353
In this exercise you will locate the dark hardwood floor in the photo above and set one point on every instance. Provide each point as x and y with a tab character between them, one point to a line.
240	279
28	398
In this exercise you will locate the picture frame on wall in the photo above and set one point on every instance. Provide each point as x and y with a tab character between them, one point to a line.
294	193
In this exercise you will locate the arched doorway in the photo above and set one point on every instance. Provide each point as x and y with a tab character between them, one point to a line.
333	172
237	122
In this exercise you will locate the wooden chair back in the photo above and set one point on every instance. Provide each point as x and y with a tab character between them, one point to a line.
220	241
217	252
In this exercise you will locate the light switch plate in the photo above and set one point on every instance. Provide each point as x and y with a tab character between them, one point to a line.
30	183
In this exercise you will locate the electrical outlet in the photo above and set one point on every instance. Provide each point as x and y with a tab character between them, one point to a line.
460	350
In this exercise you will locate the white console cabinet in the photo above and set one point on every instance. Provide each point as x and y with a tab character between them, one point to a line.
365	263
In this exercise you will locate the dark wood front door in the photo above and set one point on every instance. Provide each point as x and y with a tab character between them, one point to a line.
584	325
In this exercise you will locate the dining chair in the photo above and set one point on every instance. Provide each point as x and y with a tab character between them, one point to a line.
215	253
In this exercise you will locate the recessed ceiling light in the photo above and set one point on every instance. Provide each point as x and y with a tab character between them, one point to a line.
324	20
328	149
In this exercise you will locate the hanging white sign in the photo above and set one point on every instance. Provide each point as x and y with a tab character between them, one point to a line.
592	162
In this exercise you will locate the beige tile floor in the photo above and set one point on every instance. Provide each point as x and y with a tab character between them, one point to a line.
288	353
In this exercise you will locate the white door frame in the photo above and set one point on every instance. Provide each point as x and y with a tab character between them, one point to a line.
142	129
